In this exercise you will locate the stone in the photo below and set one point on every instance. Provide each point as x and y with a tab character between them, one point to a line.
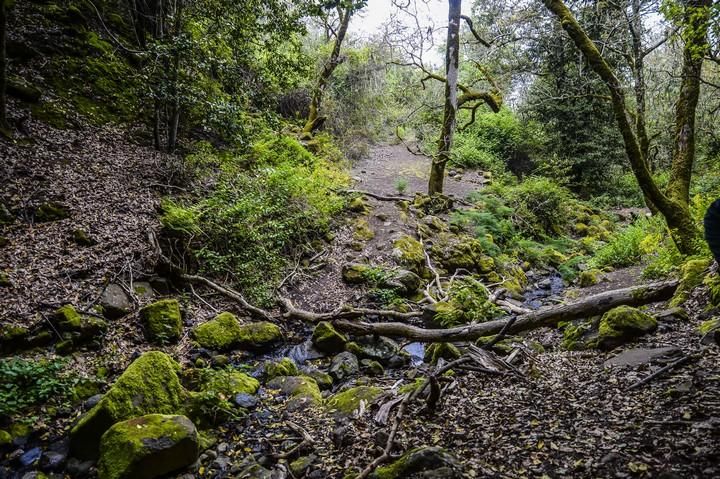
623	324
81	238
344	365
143	289
359	205
115	302
638	356
162	321
372	368
245	400
404	282
31	457
589	278
149	385
224	332
284	367
409	252
327	339
147	447
301	390
431	462
355	273
323	379
348	401
378	348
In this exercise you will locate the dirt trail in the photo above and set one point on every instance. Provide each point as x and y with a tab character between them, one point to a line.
386	164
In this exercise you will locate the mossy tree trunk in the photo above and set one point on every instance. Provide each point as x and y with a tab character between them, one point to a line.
452	54
673	204
314	120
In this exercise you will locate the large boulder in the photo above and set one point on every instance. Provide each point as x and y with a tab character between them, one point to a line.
225	332
327	339
431	462
147	447
283	367
623	324
149	385
162	320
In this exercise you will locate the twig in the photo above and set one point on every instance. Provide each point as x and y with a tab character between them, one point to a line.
306	441
663	370
390	441
230	293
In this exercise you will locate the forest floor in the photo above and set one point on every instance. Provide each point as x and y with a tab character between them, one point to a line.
565	414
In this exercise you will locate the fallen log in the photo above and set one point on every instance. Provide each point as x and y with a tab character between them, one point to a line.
345	312
548	316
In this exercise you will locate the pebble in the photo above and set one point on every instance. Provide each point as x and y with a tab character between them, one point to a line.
52	460
222	462
245	400
223	447
31	457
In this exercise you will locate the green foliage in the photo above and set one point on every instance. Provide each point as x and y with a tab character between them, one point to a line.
468	303
401	185
263	205
624	247
24	383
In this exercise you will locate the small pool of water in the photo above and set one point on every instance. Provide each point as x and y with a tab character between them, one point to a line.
535	298
416	351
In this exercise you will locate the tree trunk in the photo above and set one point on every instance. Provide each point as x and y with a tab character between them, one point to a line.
675	209
549	316
452	58
314	119
3	66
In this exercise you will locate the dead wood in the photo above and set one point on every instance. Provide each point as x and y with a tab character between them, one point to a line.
548	316
663	370
342	313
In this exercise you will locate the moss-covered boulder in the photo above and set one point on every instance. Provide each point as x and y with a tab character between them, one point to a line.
323	379
362	231
623	324
589	278
446	351
430	461
147	447
359	205
409	252
284	367
710	330
355	273
77	327
162	321
302	391
347	402
149	385
4	280
214	392
712	282
692	275
327	339
344	365
225	332
13	338
220	333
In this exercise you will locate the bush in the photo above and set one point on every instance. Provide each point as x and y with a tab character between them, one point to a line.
261	206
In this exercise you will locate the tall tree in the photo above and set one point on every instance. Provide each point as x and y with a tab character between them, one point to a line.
673	203
452	62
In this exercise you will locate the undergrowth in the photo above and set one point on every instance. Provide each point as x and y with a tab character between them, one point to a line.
260	208
24	383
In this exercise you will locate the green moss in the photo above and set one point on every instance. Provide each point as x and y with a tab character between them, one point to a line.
220	333
359	205
409	251
67	318
298	388
362	230
589	278
692	274
348	401
147	447
51	211
81	238
323	379
284	367
162	320
227	382
327	339
5	438
421	460
435	351
355	273
622	324
712	282
149	385
706	327
574	335
259	335
411	387
4	280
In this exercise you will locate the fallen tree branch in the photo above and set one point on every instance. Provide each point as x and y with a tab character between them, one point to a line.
587	307
377	196
662	370
230	293
343	313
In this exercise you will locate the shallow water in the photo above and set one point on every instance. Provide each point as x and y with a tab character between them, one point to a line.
535	298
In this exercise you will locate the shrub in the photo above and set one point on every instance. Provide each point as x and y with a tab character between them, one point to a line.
261	206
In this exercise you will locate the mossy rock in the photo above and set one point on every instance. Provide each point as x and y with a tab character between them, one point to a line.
284	367
432	205
623	324
162	321
50	211
359	205
20	89
430	461
227	382
147	447
378	348
5	438
446	351
453	252
409	252
68	320
692	275
323	379
579	335
225	332
5	280
220	333
210	403
348	401
149	385
81	238
14	338
301	390
343	365
327	339
712	282
355	273
6	217
362	231
372	368
589	278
